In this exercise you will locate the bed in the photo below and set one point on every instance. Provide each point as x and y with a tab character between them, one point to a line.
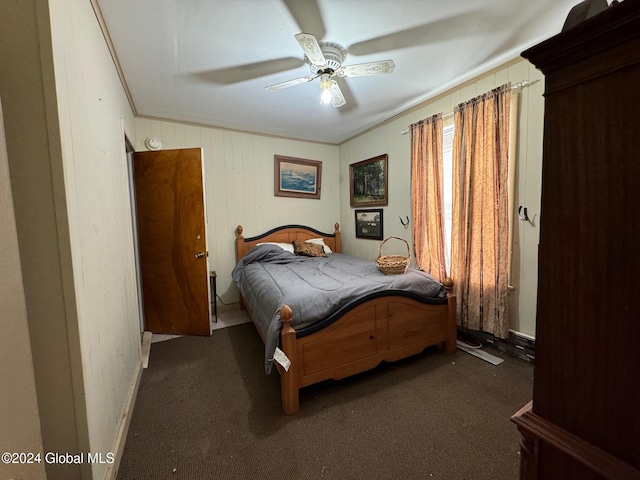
357	333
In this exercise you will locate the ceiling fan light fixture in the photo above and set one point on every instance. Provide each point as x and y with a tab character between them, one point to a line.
325	88
325	81
325	97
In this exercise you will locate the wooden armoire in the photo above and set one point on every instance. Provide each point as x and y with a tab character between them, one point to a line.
584	419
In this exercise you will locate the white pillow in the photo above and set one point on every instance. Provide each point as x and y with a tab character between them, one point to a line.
285	246
320	241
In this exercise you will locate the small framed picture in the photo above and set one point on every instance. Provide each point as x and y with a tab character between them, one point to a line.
369	184
369	224
297	177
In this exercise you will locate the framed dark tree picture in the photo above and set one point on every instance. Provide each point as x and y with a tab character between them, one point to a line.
369	182
369	224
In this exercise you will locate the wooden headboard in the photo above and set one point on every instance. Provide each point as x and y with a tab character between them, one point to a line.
287	234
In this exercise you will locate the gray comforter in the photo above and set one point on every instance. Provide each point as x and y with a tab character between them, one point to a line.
314	287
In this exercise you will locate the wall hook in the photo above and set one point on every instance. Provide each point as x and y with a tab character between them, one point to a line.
405	225
522	213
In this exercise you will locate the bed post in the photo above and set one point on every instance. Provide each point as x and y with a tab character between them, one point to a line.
338	237
239	242
451	324
239	254
288	379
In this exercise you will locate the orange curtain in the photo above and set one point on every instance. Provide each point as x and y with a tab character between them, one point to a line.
426	194
479	233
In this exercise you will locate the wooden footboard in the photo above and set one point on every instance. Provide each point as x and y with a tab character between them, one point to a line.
382	329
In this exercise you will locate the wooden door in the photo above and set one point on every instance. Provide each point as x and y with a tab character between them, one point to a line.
172	241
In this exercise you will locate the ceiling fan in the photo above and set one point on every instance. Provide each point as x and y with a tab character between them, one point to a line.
325	60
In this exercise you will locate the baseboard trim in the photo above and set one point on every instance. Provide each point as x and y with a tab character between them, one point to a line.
121	437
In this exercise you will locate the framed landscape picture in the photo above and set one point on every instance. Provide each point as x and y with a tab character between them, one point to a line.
369	182
297	177
369	224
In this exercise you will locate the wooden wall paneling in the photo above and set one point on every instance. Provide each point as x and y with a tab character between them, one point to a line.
257	181
505	75
193	138
168	133
529	186
485	84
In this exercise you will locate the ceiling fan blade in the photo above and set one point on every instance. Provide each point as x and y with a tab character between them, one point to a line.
337	99
251	71
290	83
307	15
364	69
452	27
310	46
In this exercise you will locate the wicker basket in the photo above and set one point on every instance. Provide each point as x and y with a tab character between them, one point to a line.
393	264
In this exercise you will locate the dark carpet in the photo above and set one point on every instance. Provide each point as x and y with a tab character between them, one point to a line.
206	410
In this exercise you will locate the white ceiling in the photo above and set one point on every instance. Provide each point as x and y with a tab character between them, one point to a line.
208	61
